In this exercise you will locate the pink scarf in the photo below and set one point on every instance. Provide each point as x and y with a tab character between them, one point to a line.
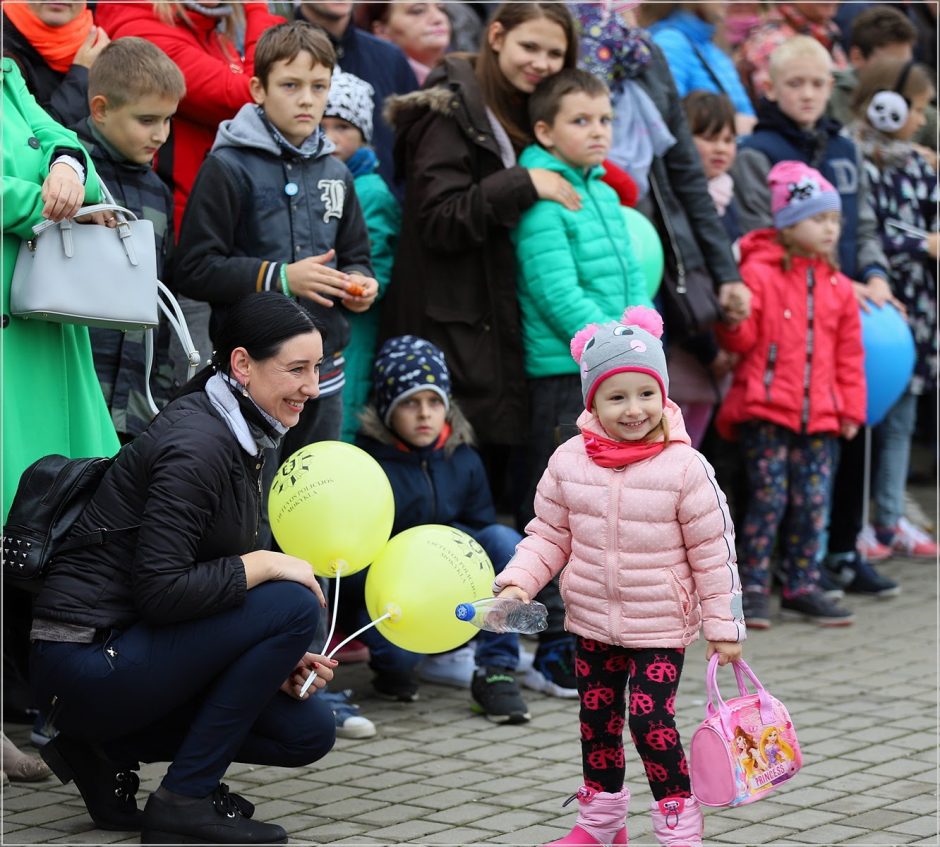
721	189
615	454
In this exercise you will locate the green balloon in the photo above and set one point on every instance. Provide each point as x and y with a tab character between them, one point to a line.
647	247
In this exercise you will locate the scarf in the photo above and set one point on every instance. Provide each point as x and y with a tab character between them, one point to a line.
878	147
506	152
826	34
616	454
308	148
609	47
56	44
221	11
363	161
640	134
253	428
721	189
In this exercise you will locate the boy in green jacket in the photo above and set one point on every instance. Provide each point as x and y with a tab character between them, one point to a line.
347	122
575	268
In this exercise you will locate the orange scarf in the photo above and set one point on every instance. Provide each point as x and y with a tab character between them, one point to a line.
56	44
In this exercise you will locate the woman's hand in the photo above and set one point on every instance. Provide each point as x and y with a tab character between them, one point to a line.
108	219
62	193
311	663
728	651
553	186
96	40
266	565
735	300
514	592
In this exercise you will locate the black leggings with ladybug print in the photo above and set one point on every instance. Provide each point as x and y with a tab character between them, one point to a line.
603	672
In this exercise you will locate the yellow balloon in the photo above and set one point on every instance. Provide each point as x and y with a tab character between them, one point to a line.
332	505
420	577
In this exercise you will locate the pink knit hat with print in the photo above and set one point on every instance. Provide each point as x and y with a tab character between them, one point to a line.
797	192
630	344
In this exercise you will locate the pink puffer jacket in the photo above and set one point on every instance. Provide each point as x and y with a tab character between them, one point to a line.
649	547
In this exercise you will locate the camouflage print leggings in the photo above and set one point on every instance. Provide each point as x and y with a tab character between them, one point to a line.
604	673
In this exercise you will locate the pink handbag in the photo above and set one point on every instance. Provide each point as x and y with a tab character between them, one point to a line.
745	746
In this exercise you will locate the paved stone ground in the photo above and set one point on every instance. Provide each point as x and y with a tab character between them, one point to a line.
863	698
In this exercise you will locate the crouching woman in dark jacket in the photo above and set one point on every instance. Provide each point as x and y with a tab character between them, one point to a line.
172	642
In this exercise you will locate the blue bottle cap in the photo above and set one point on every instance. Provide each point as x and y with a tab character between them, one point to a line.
291	189
465	611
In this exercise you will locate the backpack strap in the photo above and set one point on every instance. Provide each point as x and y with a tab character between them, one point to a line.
93	539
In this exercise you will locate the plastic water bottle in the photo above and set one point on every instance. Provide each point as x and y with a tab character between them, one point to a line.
504	614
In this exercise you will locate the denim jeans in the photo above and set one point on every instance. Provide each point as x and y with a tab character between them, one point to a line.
892	460
200	694
501	650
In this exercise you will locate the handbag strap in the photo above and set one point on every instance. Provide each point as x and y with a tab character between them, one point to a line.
174	314
716	705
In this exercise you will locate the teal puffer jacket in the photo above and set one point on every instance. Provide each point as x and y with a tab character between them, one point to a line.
574	267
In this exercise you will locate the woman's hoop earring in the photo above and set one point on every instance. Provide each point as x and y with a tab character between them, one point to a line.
245	390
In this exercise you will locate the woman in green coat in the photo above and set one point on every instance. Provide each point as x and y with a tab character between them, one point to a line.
52	402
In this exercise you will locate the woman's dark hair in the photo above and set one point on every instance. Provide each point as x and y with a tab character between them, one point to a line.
366	14
708	113
508	104
260	323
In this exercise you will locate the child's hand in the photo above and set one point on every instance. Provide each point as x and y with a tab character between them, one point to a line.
848	430
728	651
313	279
361	292
514	592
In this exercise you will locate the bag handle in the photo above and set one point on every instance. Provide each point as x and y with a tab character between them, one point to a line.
174	315
741	670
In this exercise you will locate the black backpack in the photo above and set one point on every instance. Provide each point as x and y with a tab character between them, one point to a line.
52	494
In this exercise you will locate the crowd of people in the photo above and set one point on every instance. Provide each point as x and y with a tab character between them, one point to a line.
405	226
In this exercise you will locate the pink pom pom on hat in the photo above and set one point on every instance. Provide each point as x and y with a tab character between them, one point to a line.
630	344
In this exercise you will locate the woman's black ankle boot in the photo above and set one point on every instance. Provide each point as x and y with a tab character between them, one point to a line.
220	818
107	787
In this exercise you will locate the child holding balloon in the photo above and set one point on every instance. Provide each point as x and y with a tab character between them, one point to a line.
424	444
633	514
904	196
798	386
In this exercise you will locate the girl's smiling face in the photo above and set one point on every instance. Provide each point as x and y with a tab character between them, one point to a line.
528	53
629	405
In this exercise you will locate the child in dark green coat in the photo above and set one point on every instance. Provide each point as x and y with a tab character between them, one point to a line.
347	122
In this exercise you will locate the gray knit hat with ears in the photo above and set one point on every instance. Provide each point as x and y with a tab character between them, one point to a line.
351	99
630	344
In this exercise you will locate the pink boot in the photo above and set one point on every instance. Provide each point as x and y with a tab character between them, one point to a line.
678	822
602	820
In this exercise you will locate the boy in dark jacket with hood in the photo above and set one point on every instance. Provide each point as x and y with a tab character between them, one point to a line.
425	446
272	210
134	89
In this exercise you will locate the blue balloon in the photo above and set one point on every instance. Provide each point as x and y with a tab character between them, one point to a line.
889	359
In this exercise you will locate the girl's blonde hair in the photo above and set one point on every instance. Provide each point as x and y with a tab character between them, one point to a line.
790	249
174	12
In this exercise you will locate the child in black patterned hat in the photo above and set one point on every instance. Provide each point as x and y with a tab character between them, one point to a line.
425	446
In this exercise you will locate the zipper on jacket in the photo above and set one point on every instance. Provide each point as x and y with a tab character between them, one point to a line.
808	367
614	617
427	476
769	369
610	237
673	245
260	470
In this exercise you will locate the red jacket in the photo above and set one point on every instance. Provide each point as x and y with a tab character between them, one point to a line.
772	382
216	80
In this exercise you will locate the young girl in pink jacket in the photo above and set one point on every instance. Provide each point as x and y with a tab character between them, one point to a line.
636	515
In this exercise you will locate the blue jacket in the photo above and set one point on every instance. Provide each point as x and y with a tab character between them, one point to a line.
776	138
696	62
442	484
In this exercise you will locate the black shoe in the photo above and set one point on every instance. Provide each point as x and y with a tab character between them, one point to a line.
858	576
813	606
220	818
497	696
756	606
107	787
395	686
830	582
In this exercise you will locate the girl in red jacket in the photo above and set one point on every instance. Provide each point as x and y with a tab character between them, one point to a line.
798	386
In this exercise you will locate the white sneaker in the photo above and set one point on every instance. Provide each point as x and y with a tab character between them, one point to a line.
525	660
454	668
913	541
349	723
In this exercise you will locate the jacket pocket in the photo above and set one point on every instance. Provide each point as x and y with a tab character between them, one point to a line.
682	596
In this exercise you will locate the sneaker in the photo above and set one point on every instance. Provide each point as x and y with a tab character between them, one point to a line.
756	606
42	732
497	696
395	686
814	607
552	670
860	577
910	540
525	660
831	587
870	547
454	668
349	723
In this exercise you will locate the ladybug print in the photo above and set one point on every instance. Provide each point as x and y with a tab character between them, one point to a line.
615	725
616	663
640	703
655	772
661	670
587	732
661	737
598	697
581	668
